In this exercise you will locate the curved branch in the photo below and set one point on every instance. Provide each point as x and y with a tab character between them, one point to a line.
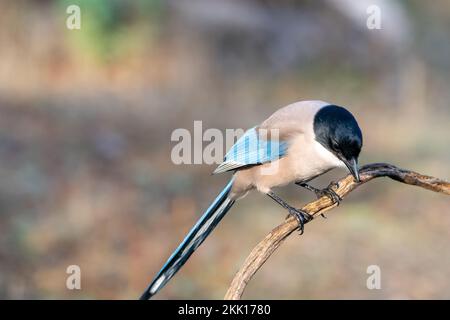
273	240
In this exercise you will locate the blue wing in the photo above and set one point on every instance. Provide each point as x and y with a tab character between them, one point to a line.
251	149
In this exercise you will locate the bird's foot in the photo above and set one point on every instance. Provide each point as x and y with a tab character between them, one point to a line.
329	192
302	218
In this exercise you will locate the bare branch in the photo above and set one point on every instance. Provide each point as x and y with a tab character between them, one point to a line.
273	240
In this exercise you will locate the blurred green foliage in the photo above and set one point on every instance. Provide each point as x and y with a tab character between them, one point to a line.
112	28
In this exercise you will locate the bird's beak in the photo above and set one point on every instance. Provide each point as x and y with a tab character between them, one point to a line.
352	166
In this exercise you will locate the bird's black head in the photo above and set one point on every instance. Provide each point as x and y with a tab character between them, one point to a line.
337	130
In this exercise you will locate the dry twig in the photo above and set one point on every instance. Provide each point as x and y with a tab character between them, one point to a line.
273	240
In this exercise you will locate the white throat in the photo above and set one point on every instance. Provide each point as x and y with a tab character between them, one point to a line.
328	157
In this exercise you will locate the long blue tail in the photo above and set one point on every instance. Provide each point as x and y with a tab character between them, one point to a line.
192	241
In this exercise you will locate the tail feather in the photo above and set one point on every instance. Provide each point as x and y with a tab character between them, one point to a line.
192	241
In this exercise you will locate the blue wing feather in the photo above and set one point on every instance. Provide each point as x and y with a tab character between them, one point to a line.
251	149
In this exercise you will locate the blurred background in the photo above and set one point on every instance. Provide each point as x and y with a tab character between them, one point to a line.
86	118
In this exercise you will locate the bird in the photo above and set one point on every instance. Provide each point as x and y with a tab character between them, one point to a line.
296	144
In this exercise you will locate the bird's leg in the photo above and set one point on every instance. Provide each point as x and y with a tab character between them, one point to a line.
328	191
301	216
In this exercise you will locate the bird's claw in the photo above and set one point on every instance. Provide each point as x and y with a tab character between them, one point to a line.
330	193
302	218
